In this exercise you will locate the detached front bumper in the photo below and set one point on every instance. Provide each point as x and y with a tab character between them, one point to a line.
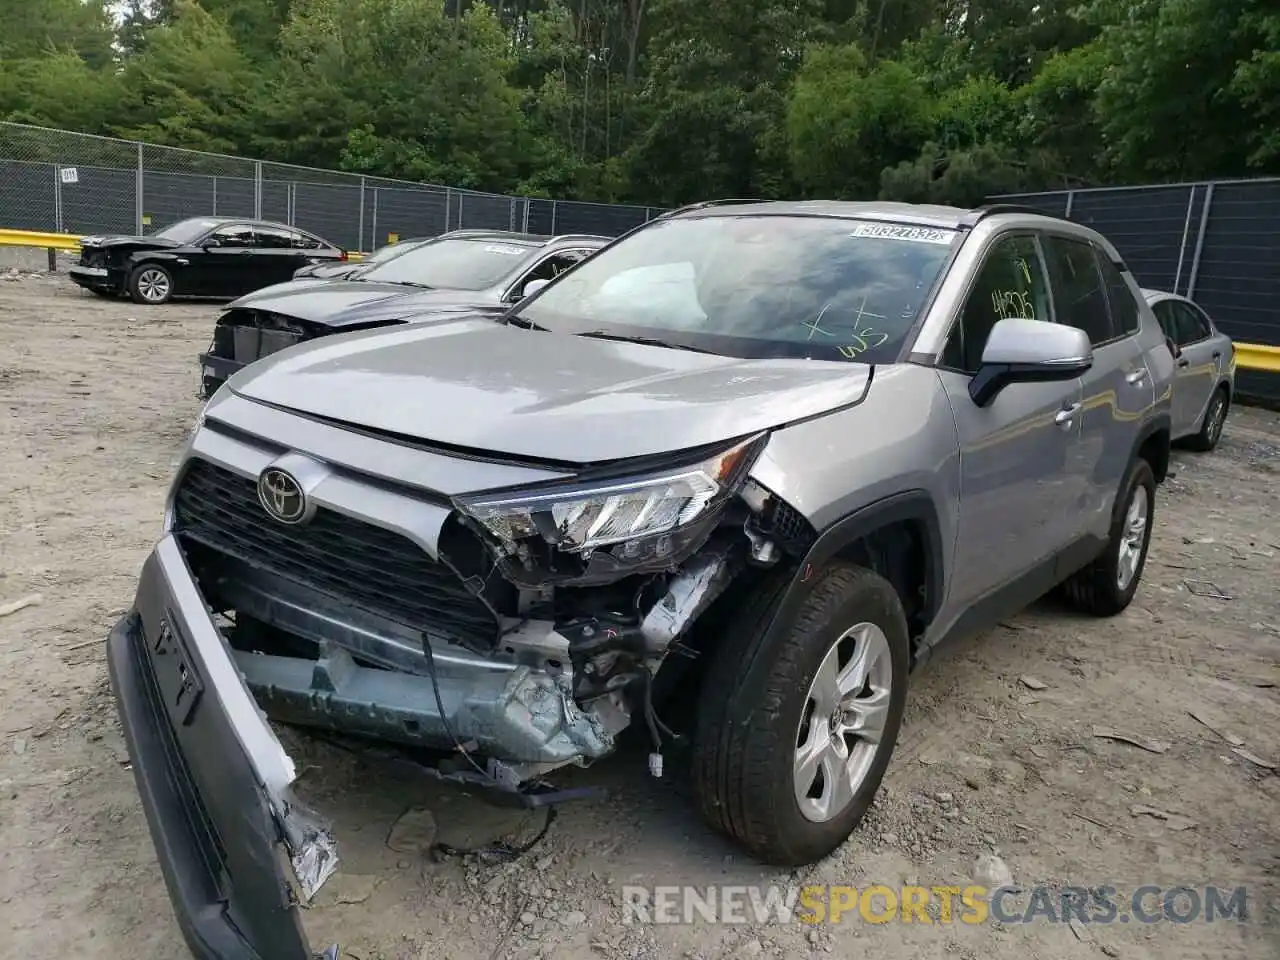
215	371
95	278
213	778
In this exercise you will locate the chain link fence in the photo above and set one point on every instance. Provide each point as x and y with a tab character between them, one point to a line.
64	182
1216	242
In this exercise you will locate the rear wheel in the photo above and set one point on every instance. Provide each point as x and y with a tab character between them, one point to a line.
1107	585
795	731
150	283
1214	419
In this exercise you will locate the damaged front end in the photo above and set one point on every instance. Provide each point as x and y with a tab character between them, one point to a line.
503	635
527	642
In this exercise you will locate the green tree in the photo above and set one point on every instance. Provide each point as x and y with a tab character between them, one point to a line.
188	85
398	88
847	121
58	90
35	28
719	72
1188	87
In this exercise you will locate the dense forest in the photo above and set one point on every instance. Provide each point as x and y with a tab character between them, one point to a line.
667	101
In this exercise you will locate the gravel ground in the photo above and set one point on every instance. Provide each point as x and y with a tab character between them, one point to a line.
998	754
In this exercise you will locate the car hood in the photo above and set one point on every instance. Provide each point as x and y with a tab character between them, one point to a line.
122	240
343	303
329	270
543	396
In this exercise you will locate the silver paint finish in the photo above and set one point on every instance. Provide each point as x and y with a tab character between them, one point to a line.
901	437
1196	381
270	431
1011	483
273	766
545	396
1024	341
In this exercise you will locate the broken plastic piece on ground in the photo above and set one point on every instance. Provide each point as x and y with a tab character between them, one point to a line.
312	850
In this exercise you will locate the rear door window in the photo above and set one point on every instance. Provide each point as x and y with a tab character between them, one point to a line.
1192	326
1079	294
1125	315
273	238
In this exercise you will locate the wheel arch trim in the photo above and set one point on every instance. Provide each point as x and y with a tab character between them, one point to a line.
916	506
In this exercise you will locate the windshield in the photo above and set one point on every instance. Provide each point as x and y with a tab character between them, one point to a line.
184	231
826	288
451	264
389	251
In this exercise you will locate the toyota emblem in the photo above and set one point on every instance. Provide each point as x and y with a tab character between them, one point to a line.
281	496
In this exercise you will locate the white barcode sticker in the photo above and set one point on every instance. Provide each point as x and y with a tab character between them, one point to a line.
895	231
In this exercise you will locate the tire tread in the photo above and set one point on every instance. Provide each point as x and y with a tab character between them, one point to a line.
728	786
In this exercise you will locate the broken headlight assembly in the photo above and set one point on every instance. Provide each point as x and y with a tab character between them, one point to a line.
609	528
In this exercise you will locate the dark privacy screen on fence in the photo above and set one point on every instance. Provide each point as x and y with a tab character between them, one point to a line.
1218	243
62	182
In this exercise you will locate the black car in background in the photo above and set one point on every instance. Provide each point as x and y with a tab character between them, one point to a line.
336	271
463	271
200	257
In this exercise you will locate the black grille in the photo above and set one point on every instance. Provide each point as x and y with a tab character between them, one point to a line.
92	258
350	560
246	335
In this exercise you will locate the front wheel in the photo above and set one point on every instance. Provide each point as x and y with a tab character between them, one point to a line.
795	730
150	283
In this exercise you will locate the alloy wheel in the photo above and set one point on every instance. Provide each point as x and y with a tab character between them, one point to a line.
1133	538
153	285
843	722
1217	418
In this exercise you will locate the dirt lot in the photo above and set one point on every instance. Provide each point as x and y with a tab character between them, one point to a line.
96	398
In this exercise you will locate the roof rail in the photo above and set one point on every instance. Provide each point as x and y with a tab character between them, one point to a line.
980	213
579	236
687	208
470	231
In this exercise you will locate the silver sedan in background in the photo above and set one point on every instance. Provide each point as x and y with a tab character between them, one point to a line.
1206	369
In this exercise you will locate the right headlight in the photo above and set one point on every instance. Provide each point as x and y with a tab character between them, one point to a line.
621	513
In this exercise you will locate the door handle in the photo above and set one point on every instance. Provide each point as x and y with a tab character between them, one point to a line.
1184	362
1064	416
1217	354
1135	377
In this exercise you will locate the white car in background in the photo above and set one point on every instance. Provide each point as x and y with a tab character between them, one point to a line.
1206	369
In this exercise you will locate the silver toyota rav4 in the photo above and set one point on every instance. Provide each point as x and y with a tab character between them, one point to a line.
755	460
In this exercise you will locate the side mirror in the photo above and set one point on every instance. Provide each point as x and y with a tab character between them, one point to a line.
1029	351
210	242
532	287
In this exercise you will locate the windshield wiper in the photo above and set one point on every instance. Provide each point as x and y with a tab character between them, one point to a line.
643	341
515	320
